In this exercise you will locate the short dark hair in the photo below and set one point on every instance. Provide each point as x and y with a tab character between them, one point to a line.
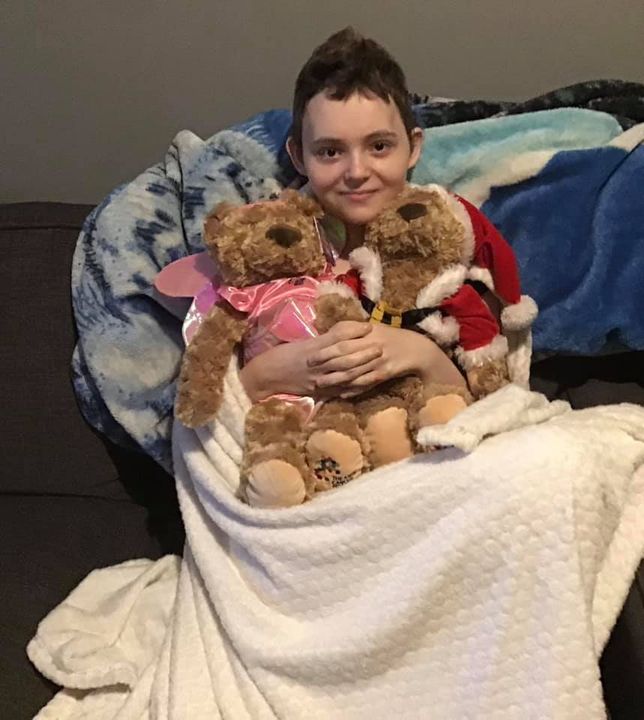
346	63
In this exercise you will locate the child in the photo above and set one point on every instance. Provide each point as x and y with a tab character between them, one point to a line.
355	139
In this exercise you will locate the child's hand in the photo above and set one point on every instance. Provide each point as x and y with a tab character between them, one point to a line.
298	368
351	358
401	352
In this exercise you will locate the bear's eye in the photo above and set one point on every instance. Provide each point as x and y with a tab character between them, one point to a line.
411	211
283	235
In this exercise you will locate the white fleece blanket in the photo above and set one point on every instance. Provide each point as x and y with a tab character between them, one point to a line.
452	585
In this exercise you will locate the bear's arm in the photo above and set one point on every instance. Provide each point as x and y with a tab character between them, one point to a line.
205	363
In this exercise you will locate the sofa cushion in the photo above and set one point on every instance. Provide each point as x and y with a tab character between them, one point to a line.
48	545
590	381
45	445
70	501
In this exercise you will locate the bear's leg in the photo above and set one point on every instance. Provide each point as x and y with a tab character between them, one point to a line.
384	417
334	448
388	436
488	377
274	471
274	483
438	404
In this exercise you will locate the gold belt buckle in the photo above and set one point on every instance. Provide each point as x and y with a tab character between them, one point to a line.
383	313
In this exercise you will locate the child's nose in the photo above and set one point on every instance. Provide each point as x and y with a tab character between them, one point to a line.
357	167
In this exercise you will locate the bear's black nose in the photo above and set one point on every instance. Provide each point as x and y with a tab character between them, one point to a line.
412	211
283	235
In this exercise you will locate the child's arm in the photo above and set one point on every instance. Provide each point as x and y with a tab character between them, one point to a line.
290	368
350	359
402	352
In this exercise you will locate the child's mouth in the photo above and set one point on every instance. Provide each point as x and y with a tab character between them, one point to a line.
359	196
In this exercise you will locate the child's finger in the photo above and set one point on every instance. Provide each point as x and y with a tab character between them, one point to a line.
338	358
374	376
345	330
346	377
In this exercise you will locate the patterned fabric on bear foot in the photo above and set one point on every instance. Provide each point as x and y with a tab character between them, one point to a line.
334	458
329	475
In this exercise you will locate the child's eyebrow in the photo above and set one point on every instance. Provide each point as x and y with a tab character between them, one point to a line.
382	134
376	135
326	141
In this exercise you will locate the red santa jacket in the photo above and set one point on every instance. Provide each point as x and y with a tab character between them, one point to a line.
462	319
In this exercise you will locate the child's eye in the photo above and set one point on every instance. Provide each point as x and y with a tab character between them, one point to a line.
328	153
381	146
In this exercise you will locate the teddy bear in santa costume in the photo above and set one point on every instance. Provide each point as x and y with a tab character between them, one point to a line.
426	263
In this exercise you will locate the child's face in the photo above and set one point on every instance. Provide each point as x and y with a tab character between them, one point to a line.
355	153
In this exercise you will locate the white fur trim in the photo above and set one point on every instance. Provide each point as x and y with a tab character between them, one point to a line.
520	357
461	214
328	287
442	286
482	275
496	350
367	263
467	253
520	315
444	330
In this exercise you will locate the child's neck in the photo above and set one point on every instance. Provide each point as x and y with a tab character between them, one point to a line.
354	238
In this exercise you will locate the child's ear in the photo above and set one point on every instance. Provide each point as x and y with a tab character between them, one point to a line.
416	139
294	151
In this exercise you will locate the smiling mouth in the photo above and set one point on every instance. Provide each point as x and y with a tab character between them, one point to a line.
359	193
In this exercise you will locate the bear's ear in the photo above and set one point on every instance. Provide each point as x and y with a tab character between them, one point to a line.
222	209
214	218
255	212
301	202
211	226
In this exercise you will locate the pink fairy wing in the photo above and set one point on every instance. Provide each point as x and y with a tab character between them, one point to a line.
186	277
202	304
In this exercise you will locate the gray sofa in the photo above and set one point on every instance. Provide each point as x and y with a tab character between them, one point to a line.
72	501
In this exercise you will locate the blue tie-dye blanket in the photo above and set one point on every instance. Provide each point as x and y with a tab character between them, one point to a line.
565	186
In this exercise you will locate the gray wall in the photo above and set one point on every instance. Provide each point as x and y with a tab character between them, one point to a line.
93	92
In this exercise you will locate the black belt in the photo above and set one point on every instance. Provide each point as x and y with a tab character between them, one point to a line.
408	319
381	312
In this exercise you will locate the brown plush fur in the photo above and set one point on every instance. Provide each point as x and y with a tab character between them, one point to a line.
414	251
275	430
331	309
251	244
488	378
337	415
205	363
